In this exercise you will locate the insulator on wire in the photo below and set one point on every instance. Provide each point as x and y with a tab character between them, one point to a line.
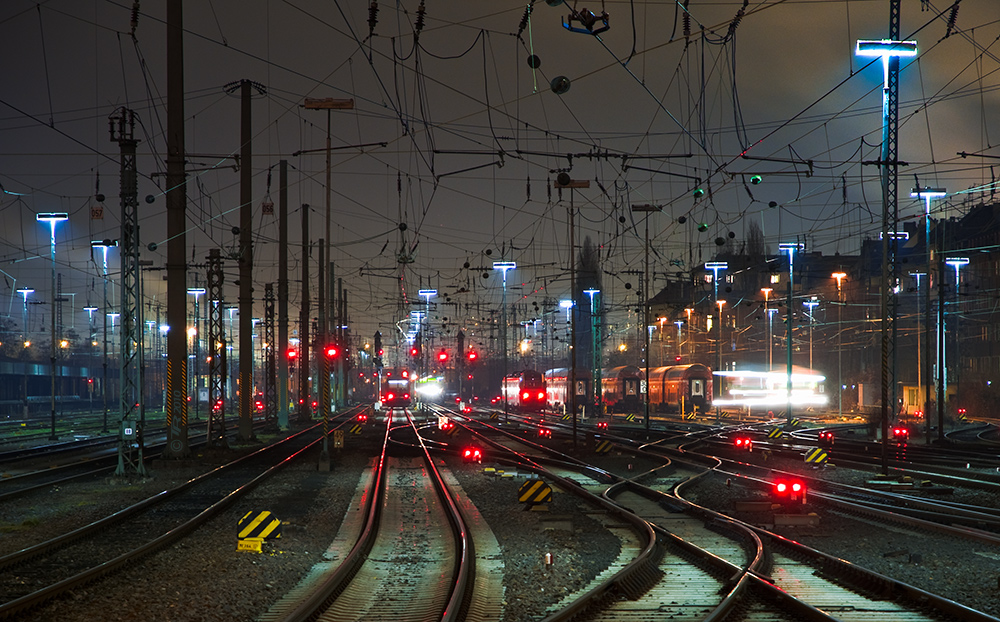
421	11
135	17
372	17
686	21
524	19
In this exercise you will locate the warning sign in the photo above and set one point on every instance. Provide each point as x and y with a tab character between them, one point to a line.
534	491
816	455
259	525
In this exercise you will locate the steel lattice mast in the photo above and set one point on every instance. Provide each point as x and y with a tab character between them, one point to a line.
218	363
132	409
270	364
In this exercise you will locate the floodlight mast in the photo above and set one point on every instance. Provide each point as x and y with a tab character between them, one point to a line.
789	248
889	50
928	195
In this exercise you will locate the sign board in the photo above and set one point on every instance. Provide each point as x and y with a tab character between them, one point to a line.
642	386
816	455
534	491
603	447
338	439
262	525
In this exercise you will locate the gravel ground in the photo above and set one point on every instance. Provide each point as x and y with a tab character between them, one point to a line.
961	570
581	548
206	580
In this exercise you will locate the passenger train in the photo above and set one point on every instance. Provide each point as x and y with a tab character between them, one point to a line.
557	387
621	390
397	387
680	388
769	389
525	391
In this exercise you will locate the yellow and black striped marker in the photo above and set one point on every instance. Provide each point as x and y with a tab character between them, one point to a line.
775	433
494	416
689	416
453	430
630	418
534	491
356	428
603	447
793	422
567	417
816	455
259	525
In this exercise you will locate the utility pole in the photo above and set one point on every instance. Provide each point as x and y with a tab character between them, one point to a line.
304	406
645	301
217	345
130	434
176	195
563	180
245	259
282	346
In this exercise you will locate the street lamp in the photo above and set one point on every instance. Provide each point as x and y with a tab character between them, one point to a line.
104	245
197	291
504	266
767	293
25	341
715	266
811	303
595	344
840	276
957	263
790	248
52	218
929	194
424	327
679	323
718	368
689	311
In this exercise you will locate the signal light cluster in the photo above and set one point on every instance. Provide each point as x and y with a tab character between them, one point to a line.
789	491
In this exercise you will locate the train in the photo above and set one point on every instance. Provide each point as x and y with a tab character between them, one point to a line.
621	388
397	388
680	388
525	391
557	387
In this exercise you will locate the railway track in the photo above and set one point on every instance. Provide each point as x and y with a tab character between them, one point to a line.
45	571
407	554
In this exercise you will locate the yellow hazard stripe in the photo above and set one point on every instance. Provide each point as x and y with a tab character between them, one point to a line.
248	529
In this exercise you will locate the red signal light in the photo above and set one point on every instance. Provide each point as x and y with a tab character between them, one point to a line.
331	352
788	491
525	395
389	396
541	395
472	355
443	356
677	359
414	352
292	354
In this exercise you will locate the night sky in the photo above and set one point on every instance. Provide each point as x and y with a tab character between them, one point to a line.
474	137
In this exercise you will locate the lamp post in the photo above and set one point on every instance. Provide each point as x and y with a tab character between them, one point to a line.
840	276
889	50
928	195
93	342
196	292
767	293
718	367
790	248
104	245
424	326
504	266
957	263
52	218
689	311
715	266
595	357
811	303
679	323
25	341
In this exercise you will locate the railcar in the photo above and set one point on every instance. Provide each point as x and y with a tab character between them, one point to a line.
680	388
557	385
620	388
769	389
397	388
525	391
